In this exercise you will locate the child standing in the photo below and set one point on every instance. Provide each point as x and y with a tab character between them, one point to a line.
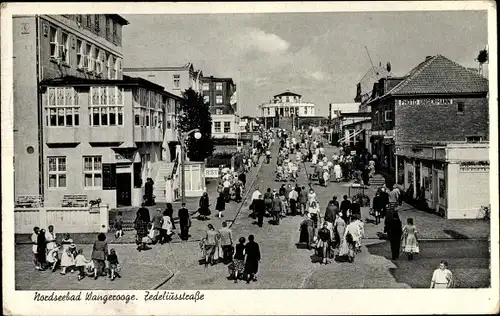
80	263
119	225
113	264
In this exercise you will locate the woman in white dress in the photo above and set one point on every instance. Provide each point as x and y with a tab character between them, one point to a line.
442	278
67	256
349	240
311	196
338	172
50	237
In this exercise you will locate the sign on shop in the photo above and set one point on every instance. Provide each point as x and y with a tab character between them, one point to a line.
212	173
428	101
124	157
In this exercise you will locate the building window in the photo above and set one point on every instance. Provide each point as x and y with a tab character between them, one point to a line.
206	99
218	86
106	106
65	48
227	127
177	81
109	60
460	107
92	51
206	87
79	18
116	40
88	21
217	126
148	108
388	115
92	172
305	110
474	139
54	42
268	111
63	107
80	54
57	172
108	31
116	70
218	99
99	61
219	111
97	22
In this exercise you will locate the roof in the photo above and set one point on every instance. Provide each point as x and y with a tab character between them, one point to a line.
356	114
357	123
118	18
212	78
440	75
287	93
187	66
126	81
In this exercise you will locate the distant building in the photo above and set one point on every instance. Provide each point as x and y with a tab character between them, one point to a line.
336	109
175	79
46	47
220	94
287	104
432	131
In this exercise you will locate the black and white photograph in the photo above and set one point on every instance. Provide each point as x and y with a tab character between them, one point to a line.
284	146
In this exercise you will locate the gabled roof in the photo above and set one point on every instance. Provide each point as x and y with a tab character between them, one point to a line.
287	93
439	75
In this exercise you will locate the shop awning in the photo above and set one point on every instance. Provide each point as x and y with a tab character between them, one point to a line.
344	139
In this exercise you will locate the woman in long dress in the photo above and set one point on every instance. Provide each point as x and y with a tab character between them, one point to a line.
339	229
67	258
337	170
348	244
409	240
307	231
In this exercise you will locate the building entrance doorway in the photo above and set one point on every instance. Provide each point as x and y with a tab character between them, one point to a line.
124	189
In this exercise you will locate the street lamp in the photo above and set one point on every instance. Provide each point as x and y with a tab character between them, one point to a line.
182	138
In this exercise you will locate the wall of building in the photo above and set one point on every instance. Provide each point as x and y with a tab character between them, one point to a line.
468	190
164	78
442	123
25	106
51	68
210	95
228	118
378	110
299	108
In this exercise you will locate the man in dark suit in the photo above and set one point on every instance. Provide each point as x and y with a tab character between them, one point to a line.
184	221
260	210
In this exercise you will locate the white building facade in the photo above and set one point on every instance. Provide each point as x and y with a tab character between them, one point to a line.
287	104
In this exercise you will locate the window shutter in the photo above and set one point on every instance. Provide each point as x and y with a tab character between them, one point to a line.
108	176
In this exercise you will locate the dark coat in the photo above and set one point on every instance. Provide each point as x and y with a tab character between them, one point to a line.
394	229
143	214
100	250
183	217
378	203
252	251
259	206
221	204
345	205
330	212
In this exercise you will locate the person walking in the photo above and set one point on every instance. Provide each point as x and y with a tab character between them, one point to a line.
41	249
393	196
34	247
330	218
268	200
252	258
141	225
345	208
157	224
377	207
184	221
255	196
394	232
166	228
339	229
315	213
220	205
409	239
292	199
204	209
210	243
307	231
99	255
260	210
324	240
226	242
277	208
170	213
348	244
303	200
442	278
337	170
238	267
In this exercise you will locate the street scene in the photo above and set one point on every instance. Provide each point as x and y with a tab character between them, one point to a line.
290	159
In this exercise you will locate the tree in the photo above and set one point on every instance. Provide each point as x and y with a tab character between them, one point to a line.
196	114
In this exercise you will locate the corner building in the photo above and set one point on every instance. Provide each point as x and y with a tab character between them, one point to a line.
435	126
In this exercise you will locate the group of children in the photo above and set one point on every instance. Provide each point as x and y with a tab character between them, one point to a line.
48	254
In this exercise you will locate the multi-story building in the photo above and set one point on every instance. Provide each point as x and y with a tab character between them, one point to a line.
432	131
287	104
176	80
336	109
55	46
220	94
104	138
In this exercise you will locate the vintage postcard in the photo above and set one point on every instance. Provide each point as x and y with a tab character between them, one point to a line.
287	158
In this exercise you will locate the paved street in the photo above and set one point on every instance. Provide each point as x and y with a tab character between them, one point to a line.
283	265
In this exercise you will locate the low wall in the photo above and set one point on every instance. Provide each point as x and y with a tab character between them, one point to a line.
64	219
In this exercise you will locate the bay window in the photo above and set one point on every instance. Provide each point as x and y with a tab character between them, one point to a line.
106	106
63	107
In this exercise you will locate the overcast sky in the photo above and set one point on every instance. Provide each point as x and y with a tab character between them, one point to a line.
319	55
